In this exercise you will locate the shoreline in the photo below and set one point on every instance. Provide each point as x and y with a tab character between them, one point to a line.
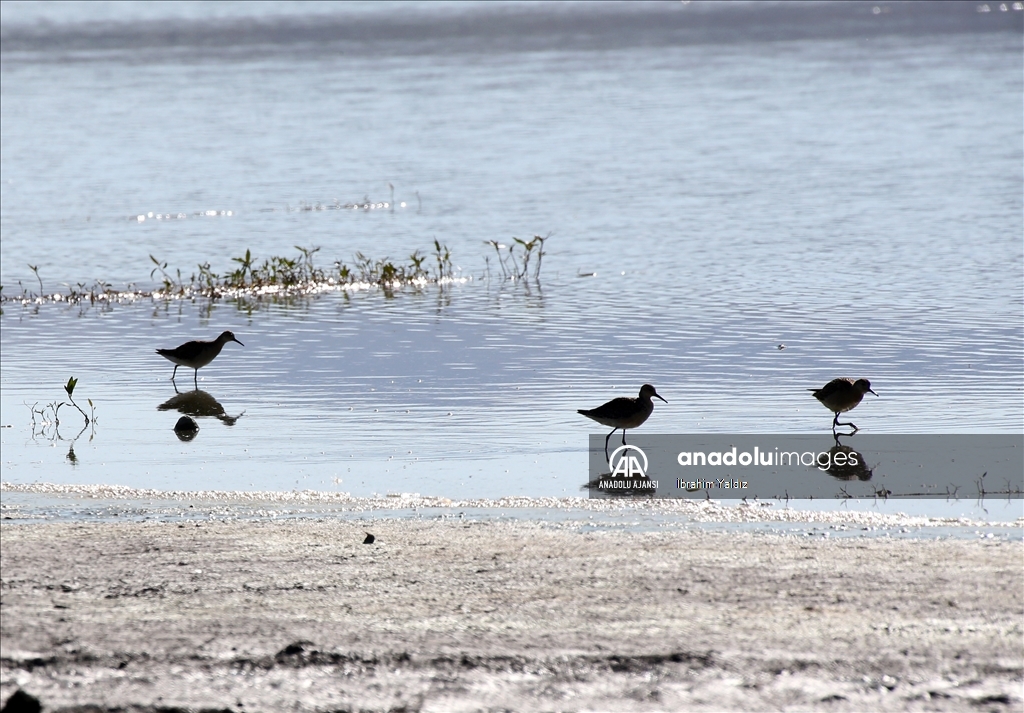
115	501
450	614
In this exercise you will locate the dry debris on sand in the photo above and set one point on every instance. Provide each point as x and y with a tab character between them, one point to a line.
453	615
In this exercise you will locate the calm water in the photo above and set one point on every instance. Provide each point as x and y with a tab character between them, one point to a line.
854	194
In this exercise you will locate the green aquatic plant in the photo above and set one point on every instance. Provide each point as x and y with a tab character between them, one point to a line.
35	269
51	412
518	269
443	256
81	292
280	277
70	389
384	272
170	285
207	279
48	424
251	275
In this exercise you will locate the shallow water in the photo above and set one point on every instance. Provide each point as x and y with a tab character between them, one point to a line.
856	200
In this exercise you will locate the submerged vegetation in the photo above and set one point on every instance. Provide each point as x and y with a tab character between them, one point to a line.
299	275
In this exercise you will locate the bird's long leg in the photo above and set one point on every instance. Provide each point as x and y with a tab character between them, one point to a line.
174	372
195	379
606	443
836	423
623	436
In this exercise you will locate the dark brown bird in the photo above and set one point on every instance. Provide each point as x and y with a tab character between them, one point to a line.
841	395
624	412
196	355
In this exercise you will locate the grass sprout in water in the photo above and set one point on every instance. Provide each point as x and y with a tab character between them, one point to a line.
70	389
296	276
518	269
275	276
300	273
48	423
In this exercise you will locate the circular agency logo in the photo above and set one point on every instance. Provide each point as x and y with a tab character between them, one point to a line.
627	464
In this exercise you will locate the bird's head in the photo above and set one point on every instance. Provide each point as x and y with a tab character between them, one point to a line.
226	337
648	391
863	386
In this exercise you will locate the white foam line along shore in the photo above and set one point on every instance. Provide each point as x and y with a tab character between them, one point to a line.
699	511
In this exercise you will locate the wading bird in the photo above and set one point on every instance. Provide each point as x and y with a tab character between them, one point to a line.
840	396
196	355
624	412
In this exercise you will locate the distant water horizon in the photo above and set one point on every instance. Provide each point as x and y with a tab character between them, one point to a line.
225	29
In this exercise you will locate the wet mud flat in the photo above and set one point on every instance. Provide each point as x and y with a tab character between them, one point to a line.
454	615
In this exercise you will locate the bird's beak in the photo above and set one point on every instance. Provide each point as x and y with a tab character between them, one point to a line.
872	391
236	341
656	396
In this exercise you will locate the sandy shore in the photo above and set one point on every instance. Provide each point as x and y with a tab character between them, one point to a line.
450	615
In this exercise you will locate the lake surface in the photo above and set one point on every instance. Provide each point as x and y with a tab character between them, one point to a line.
717	182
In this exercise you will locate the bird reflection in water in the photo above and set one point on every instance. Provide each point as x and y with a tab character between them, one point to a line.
186	429
844	463
199	404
